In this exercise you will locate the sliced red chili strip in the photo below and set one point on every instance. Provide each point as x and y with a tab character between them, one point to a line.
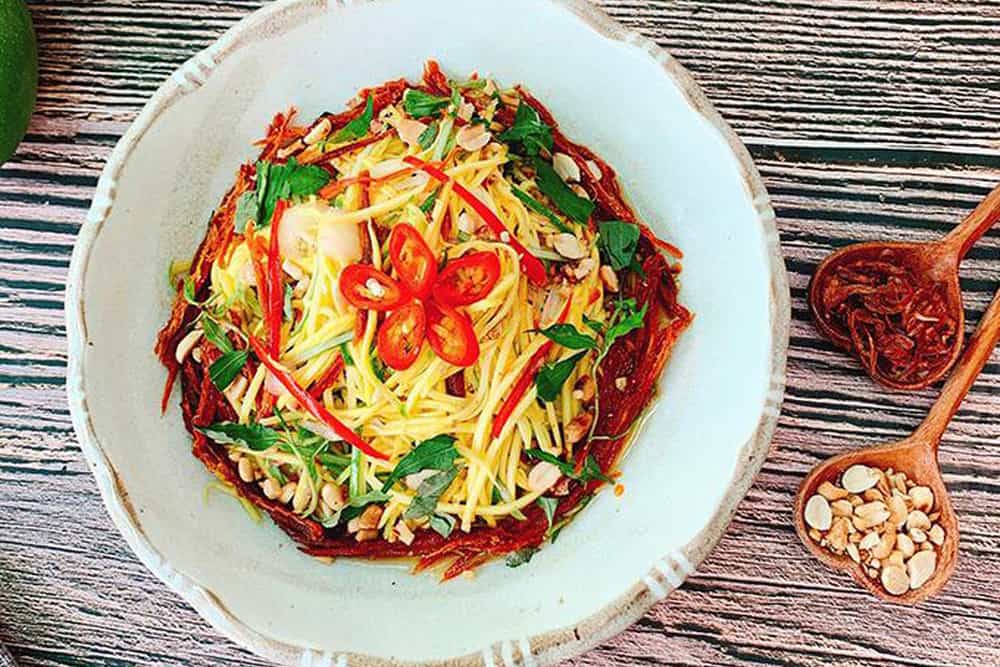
313	406
413	259
531	265
402	335
367	288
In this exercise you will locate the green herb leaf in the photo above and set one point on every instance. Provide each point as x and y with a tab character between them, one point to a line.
189	294
253	436
529	130
418	104
247	207
215	335
540	208
618	241
427	137
275	472
443	524
305	180
437	453
548	506
368	499
590	470
625	320
553	187
593	325
345	352
379	368
283	181
429	203
551	377
358	127
225	369
568	336
521	556
428	493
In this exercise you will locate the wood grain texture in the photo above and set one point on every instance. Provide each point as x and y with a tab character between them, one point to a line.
868	120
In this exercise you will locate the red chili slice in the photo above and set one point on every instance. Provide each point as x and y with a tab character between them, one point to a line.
413	259
401	336
367	288
451	335
467	279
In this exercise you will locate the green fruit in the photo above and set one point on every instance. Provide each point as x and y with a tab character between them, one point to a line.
18	74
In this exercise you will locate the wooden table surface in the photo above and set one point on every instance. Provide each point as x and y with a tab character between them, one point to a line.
868	120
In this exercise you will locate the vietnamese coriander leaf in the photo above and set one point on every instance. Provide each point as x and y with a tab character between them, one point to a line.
617	241
590	470
551	377
443	524
552	186
215	335
358	127
225	369
521	556
437	453
247	207
548	506
418	104
540	208
625	320
253	436
568	336
529	130
428	493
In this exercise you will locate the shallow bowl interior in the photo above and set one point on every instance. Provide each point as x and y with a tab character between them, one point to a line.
689	178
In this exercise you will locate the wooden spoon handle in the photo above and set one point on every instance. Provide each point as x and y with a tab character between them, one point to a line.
977	353
975	224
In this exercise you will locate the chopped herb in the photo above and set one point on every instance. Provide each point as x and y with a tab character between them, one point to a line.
618	241
567	201
427	137
215	335
443	524
568	336
284	181
624	320
225	369
429	203
379	368
358	127
368	499
437	453
551	377
529	130
593	325
540	208
418	104
247	207
345	352
521	556
275	472
335	463
189	294
428	493
590	471
253	436
548	506
356	485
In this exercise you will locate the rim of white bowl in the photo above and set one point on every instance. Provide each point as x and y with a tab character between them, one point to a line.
663	576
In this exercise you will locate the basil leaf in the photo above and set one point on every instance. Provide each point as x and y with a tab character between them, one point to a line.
568	336
247	207
618	241
548	506
215	335
427	137
418	104
539	207
626	320
529	130
428	493
593	325
437	453
358	127
443	524
253	436
521	557
567	201
551	377
368	499
225	369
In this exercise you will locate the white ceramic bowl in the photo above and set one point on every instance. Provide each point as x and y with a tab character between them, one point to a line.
689	177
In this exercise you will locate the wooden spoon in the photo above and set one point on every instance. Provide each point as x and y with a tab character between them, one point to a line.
917	457
935	262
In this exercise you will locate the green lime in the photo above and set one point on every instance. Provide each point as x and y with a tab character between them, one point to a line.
18	74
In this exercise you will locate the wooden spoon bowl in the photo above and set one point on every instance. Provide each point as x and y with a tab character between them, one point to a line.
935	262
917	457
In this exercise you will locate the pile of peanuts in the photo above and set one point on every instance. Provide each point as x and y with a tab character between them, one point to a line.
883	521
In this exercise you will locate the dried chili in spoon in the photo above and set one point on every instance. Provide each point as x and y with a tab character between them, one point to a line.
898	306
